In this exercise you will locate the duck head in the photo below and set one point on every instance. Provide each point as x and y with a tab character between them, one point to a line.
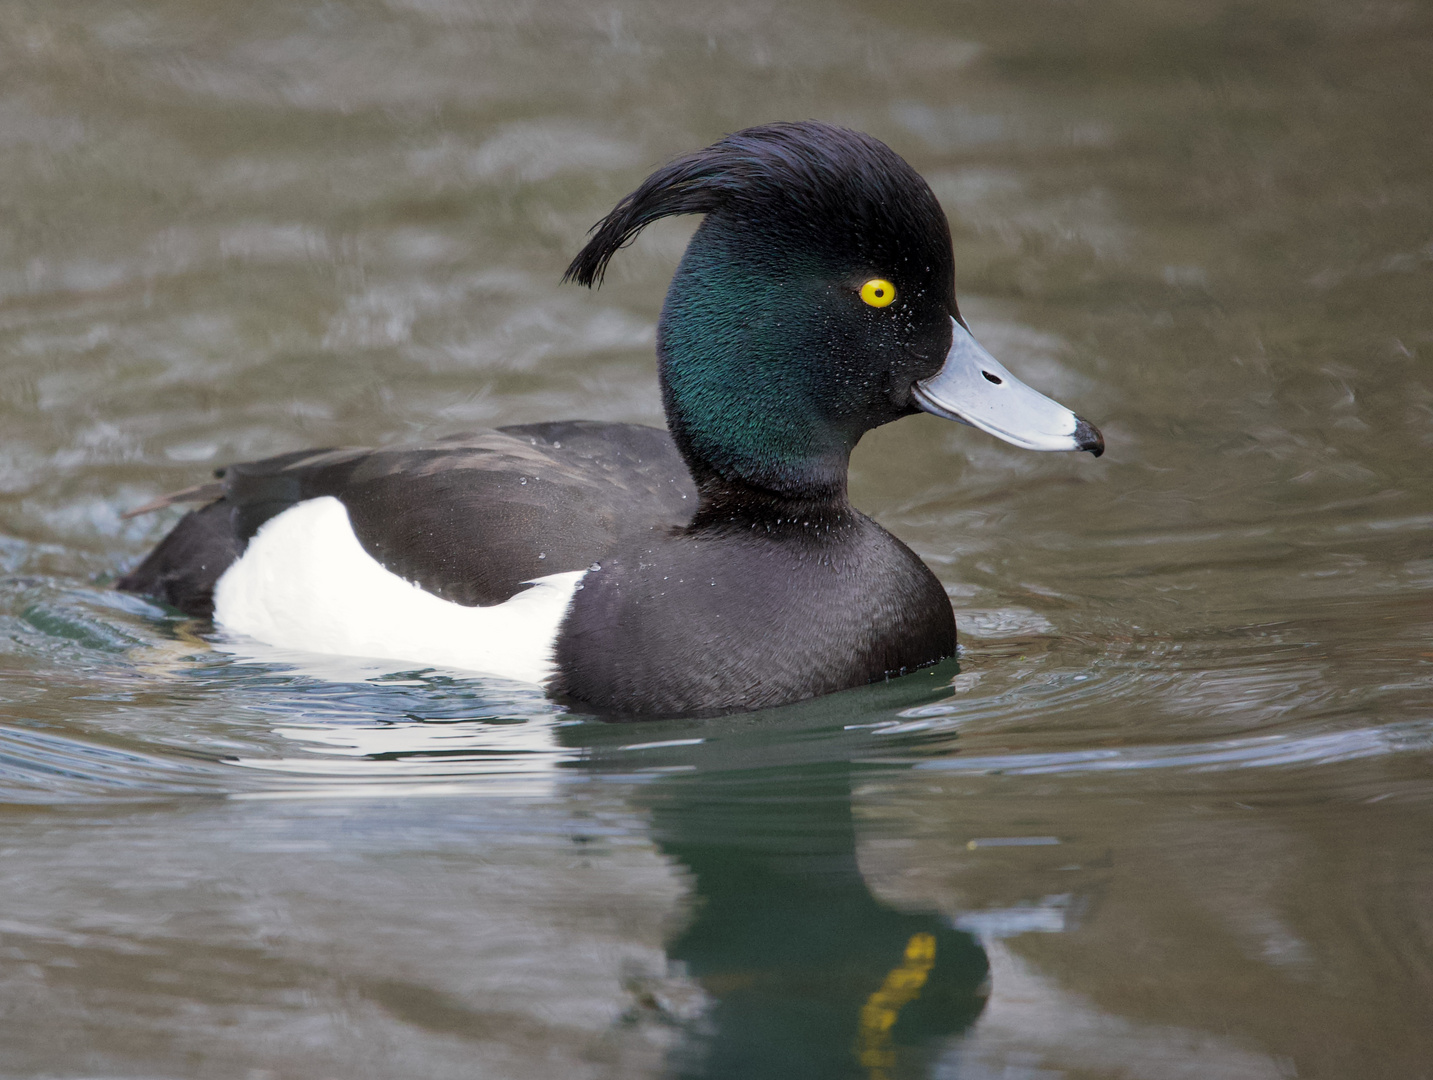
815	301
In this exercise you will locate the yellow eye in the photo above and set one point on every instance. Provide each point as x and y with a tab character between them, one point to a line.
878	292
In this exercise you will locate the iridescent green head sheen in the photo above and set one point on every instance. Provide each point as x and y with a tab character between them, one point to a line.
772	365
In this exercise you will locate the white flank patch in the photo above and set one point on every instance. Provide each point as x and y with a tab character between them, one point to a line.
305	582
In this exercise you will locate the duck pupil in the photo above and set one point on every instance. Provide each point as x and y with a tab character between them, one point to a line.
996	379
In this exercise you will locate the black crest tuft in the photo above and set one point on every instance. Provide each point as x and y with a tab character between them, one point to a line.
805	170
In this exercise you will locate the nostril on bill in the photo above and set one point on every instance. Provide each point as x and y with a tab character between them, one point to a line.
996	379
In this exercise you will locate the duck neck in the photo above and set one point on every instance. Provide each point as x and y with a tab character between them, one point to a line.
724	505
746	372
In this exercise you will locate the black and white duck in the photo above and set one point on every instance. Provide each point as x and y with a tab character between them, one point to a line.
714	566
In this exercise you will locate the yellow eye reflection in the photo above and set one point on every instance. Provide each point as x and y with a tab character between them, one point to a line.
878	292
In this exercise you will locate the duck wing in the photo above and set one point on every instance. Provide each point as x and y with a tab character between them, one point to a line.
470	518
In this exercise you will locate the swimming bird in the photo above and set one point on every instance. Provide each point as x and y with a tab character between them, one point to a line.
713	567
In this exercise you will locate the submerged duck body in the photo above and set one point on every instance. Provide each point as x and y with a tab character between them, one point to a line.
713	567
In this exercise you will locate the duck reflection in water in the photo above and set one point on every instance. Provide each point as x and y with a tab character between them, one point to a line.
810	974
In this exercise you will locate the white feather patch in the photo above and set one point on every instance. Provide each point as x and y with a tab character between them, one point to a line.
305	582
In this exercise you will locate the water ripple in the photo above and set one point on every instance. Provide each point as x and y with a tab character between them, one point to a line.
38	767
1260	751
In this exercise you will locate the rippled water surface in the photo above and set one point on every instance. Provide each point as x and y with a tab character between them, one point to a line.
1168	815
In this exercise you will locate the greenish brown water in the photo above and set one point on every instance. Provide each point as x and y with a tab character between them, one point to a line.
1197	675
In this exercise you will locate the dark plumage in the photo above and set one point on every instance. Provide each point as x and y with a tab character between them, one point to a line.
466	517
728	569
